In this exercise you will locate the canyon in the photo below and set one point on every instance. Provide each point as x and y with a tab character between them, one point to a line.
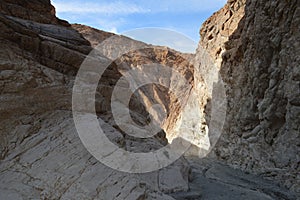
243	117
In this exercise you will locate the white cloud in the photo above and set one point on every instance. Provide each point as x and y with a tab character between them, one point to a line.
163	37
115	15
110	24
182	6
113	30
141	6
109	8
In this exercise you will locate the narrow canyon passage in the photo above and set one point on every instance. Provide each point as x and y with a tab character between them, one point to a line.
235	104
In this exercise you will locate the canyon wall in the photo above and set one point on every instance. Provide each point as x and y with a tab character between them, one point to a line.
41	153
255	45
35	10
245	83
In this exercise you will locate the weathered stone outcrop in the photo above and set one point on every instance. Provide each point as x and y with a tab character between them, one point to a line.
41	154
148	95
256	47
35	10
210	99
248	53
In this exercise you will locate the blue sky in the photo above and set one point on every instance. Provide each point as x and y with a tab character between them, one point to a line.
121	16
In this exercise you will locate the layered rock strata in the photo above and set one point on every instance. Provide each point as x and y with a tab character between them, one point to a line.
41	153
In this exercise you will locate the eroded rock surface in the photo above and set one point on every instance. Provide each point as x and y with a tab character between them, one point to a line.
35	10
256	46
41	153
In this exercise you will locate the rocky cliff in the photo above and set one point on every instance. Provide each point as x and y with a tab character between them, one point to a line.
245	78
255	45
35	10
41	153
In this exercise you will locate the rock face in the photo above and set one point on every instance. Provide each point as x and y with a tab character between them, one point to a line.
149	94
41	153
248	52
211	99
36	60
35	10
256	46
